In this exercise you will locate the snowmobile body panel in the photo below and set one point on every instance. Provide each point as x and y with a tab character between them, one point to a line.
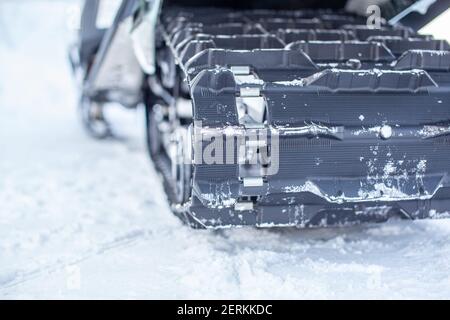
111	70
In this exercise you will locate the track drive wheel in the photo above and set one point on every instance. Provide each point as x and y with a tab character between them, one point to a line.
182	165
173	164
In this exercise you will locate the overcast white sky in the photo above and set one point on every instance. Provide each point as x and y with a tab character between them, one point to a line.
439	27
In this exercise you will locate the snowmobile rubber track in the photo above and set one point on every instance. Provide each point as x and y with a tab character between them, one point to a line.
361	116
281	118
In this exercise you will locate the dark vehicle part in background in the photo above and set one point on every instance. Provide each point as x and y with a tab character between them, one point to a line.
266	116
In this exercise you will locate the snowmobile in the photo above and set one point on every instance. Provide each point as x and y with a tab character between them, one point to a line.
278	113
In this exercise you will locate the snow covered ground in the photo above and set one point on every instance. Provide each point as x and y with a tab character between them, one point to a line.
86	219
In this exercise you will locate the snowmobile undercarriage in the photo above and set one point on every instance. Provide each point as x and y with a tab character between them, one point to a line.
293	118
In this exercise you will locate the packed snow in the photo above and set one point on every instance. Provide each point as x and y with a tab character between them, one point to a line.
81	218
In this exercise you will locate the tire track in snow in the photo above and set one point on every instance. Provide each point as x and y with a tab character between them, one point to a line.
17	277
